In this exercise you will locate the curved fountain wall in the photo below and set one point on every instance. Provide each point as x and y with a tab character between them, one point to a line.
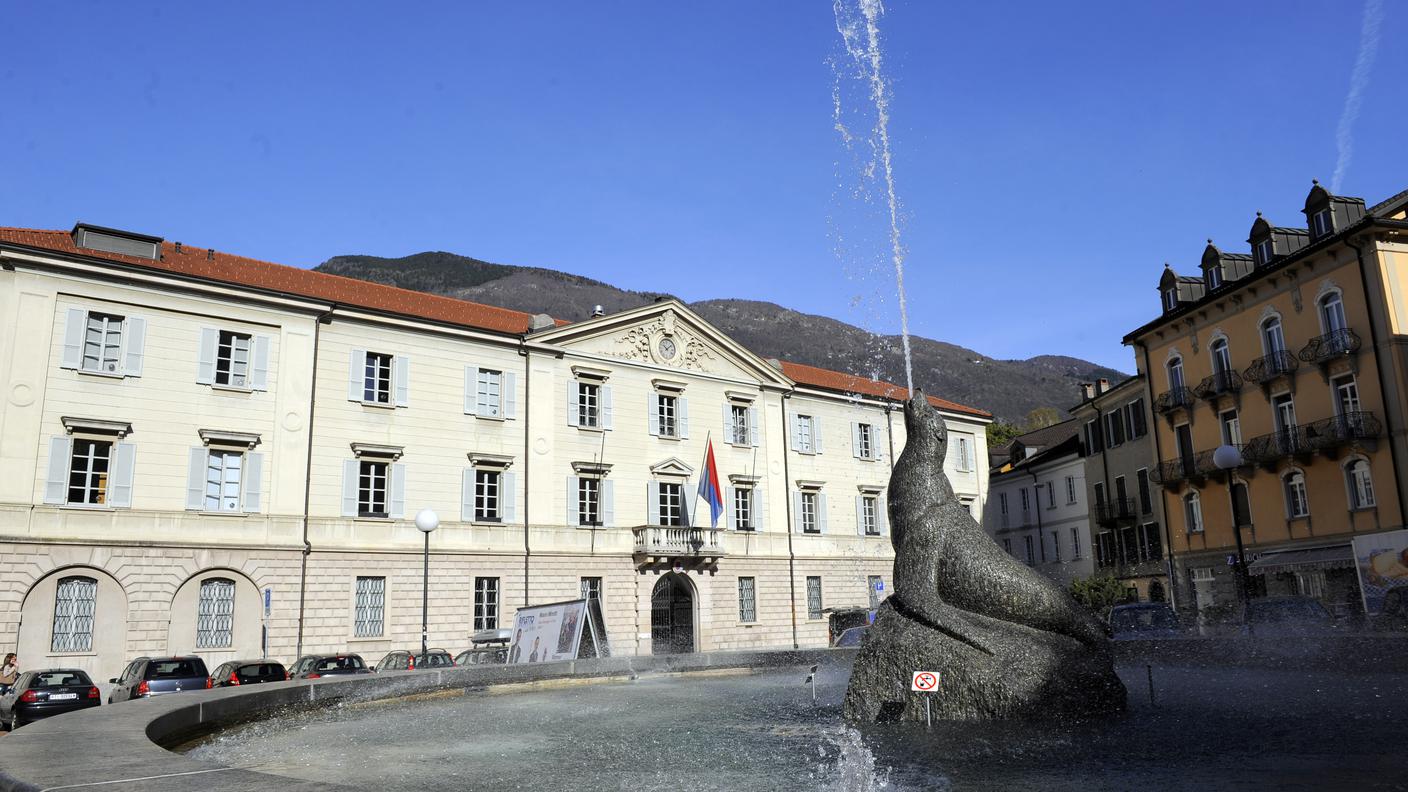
124	742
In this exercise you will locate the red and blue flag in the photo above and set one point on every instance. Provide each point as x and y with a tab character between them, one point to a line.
709	486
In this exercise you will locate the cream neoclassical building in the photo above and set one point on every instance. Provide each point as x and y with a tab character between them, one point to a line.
205	453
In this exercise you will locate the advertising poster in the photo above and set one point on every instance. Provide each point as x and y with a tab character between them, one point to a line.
1382	560
547	633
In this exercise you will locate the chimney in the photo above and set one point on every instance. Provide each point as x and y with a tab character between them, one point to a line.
597	310
178	247
1087	391
1101	386
210	254
538	322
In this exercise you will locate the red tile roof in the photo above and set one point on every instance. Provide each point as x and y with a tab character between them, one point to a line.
240	271
827	379
262	275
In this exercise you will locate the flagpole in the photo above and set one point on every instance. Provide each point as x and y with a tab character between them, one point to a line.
703	468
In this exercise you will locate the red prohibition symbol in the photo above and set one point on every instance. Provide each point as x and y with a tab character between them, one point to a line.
925	681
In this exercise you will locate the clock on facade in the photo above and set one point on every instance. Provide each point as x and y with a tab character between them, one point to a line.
667	348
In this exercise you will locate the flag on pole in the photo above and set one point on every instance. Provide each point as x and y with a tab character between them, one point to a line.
709	485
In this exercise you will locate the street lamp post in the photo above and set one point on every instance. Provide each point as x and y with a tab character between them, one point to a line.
1228	458
426	520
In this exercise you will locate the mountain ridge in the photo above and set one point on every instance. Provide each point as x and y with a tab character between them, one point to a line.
1010	389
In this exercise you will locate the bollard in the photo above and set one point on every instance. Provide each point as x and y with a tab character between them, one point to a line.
928	713
1150	669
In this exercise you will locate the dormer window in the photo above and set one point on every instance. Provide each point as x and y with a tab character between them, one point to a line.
1214	277
1170	298
1322	223
1264	252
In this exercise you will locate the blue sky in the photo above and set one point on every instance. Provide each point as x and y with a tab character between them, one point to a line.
1049	157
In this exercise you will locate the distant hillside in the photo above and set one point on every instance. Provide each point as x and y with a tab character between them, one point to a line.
1008	388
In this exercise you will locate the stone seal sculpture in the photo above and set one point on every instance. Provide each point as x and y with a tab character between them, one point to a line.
1006	641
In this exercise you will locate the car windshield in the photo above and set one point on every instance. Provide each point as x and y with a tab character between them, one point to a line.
435	660
1143	619
346	663
175	669
54	679
851	637
1287	610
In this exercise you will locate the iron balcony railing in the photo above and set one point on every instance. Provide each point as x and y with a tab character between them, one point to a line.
1173	399
1172	471
1114	510
1343	430
673	540
1327	347
1268	367
1268	448
1217	384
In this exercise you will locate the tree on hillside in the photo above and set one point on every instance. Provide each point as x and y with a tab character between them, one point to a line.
1042	417
1002	432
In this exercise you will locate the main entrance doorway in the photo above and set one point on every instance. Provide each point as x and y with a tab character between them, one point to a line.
672	616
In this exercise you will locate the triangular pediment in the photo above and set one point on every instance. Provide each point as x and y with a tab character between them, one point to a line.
665	335
671	467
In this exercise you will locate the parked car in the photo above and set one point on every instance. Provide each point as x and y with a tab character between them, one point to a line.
851	637
1287	616
319	666
1143	621
40	694
405	660
156	676
249	672
838	620
488	647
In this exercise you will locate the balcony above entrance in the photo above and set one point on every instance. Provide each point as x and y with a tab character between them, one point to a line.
669	543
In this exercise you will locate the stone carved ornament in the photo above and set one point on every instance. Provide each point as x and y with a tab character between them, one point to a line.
665	343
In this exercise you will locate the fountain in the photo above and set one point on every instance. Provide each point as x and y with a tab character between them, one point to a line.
1005	641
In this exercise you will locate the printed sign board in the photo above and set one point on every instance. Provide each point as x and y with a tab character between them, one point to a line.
924	682
558	631
1382	561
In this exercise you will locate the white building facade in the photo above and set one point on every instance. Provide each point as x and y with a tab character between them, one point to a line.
213	455
1038	509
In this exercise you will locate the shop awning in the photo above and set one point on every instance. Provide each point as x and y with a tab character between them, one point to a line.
1333	557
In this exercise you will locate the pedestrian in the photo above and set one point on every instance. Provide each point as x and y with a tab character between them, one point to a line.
10	670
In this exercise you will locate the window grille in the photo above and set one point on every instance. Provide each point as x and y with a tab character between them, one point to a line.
75	602
486	603
215	617
747	600
813	597
370	607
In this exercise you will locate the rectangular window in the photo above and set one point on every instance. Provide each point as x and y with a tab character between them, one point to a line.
1056	545
1099	493
813	597
370	607
805	434
1095	439
102	343
223	471
1264	252
1002	503
488	400
1114	428
88	472
1153	542
1026	504
1075	544
75	602
1138	427
743	509
1070	489
1320	223
747	600
1050	494
671	504
809	518
589	405
1007	545
738	424
486	603
870	515
1146	497
588	501
874	584
667	415
486	496
1031	551
215	615
1231	428
232	359
372	488
865	448
376	379
964	461
591	588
